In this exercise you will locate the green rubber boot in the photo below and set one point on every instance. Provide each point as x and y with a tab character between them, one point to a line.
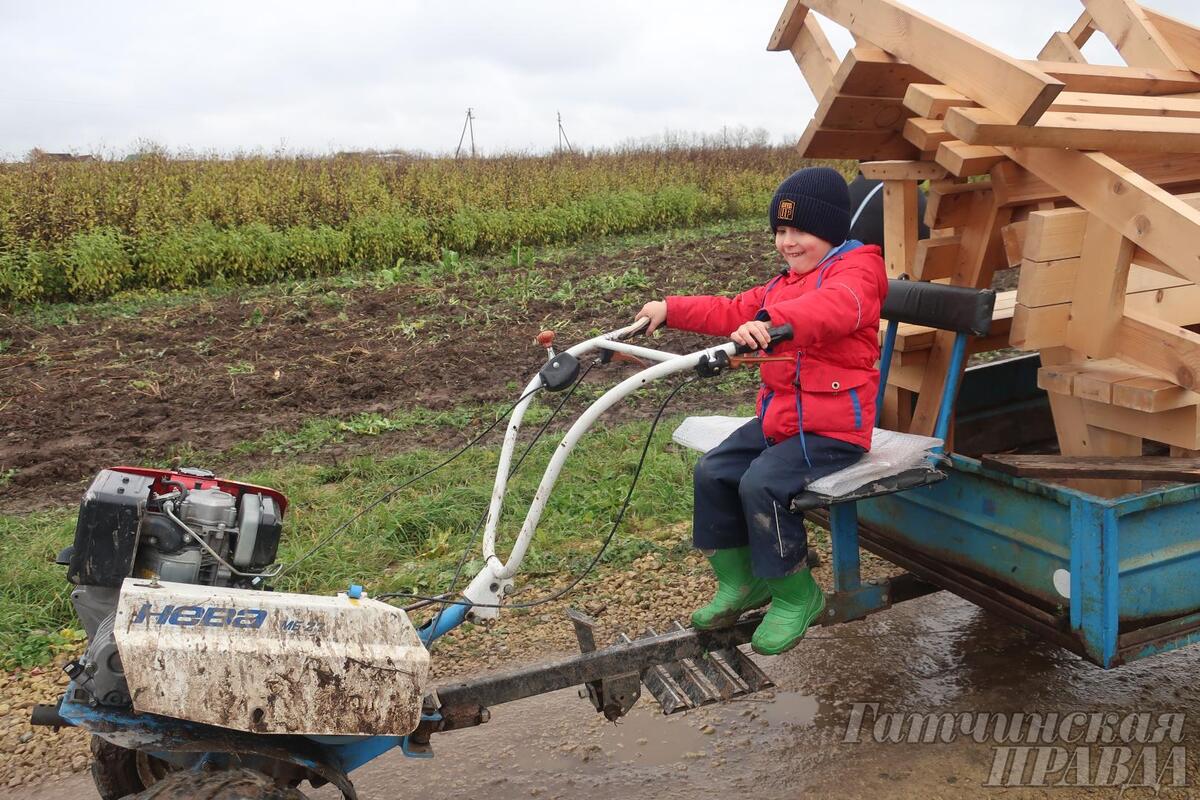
796	600
738	591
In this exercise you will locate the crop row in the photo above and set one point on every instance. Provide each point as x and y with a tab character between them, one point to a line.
86	230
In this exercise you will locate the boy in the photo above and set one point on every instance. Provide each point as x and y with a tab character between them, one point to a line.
815	416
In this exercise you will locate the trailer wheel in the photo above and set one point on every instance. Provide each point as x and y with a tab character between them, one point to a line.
232	784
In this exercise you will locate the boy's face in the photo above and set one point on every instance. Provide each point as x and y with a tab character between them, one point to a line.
802	251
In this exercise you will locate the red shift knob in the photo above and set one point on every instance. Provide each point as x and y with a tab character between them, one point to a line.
546	338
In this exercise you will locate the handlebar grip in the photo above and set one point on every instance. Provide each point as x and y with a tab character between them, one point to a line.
779	334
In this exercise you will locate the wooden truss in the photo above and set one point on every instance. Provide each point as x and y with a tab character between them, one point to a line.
1084	177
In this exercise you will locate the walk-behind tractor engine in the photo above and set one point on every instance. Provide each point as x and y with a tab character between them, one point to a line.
169	569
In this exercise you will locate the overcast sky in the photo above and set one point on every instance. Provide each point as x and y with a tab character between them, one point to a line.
319	77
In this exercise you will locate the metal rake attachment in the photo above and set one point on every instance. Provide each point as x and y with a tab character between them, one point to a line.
697	675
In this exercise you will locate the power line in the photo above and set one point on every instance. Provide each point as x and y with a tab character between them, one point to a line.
562	136
468	126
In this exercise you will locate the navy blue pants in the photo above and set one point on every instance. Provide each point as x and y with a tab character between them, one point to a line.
744	487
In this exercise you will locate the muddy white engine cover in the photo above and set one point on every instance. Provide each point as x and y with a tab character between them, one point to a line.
270	662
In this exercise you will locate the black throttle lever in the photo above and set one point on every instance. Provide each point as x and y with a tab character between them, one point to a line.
780	334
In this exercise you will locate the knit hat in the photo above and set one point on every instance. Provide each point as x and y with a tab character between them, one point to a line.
816	201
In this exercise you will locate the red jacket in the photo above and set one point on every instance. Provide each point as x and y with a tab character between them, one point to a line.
834	314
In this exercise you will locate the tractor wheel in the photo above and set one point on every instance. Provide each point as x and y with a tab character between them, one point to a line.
232	784
115	770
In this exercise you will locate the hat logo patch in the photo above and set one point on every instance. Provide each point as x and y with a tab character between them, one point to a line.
787	209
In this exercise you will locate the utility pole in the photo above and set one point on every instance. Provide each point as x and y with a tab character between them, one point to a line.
562	136
468	127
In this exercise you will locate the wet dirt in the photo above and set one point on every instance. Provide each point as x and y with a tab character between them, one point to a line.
936	655
99	391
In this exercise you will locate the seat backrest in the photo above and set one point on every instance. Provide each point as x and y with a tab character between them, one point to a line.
963	311
936	305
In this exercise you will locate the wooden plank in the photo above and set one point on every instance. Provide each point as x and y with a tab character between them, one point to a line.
867	71
1152	395
900	232
1096	383
1183	38
1046	326
1162	347
854	113
1059	378
1116	132
1100	287
790	23
933	100
1160	223
1017	91
902	171
881	145
1118	80
1147	468
1061	48
1132	33
967	160
925	134
897	409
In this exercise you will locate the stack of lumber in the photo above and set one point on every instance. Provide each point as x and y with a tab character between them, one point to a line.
1084	177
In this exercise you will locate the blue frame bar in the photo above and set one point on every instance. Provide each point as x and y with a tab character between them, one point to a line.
446	620
843	533
953	377
885	366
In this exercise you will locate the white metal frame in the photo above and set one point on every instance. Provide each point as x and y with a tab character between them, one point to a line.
495	579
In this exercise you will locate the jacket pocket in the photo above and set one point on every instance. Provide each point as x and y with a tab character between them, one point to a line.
836	403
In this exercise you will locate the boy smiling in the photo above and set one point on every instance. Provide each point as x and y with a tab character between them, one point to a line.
814	416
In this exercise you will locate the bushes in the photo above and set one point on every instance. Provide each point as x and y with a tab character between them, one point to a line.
83	231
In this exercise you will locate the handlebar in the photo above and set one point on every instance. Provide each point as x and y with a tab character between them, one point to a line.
779	334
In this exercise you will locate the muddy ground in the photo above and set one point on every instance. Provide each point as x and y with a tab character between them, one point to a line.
105	389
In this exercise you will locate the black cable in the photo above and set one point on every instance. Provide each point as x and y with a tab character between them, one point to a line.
462	560
393	492
595	559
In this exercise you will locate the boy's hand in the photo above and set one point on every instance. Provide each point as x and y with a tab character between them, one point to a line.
753	334
656	312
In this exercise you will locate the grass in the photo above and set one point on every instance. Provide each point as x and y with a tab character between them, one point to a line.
409	543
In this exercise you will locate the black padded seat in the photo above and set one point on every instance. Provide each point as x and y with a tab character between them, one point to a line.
890	484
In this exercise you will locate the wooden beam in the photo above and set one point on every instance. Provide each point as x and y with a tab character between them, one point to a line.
1178	427
1100	286
1152	395
1046	326
853	113
1119	80
902	171
979	237
968	160
883	145
1077	131
925	134
1163	348
935	101
1159	222
1139	467
815	56
1058	234
1083	29
1061	48
1051	283
935	258
1132	33
1183	38
867	71
899	223
790	23
1016	91
949	204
